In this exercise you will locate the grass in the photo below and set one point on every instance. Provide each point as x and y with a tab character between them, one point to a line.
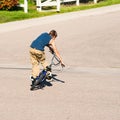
7	16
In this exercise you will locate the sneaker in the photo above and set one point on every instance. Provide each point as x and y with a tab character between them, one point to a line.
33	80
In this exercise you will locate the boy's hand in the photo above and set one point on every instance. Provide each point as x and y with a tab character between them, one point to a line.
51	50
62	64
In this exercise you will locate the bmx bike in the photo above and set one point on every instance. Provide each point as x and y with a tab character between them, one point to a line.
44	74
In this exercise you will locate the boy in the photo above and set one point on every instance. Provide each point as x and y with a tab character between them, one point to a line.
37	54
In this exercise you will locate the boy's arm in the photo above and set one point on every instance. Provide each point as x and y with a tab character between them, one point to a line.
53	47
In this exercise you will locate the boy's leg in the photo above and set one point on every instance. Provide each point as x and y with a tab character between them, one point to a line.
43	60
45	65
36	58
35	63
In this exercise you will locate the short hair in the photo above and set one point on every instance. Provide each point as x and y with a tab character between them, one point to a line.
53	33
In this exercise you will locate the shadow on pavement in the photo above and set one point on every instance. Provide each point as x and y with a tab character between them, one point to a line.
48	82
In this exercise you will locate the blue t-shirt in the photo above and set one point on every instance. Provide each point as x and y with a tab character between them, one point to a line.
42	41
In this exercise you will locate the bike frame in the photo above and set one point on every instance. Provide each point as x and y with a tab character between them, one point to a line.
52	60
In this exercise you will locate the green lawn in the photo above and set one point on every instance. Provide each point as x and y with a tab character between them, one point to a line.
7	16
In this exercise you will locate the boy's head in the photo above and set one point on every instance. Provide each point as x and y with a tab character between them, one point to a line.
53	33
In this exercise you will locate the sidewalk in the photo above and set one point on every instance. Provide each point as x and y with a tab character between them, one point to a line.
11	26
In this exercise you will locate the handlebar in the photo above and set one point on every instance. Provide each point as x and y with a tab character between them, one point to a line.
55	57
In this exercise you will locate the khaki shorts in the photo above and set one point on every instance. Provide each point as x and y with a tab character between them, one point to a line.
37	57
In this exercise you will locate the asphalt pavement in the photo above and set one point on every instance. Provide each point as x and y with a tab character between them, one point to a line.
89	43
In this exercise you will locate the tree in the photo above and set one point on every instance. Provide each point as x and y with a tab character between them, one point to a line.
8	4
